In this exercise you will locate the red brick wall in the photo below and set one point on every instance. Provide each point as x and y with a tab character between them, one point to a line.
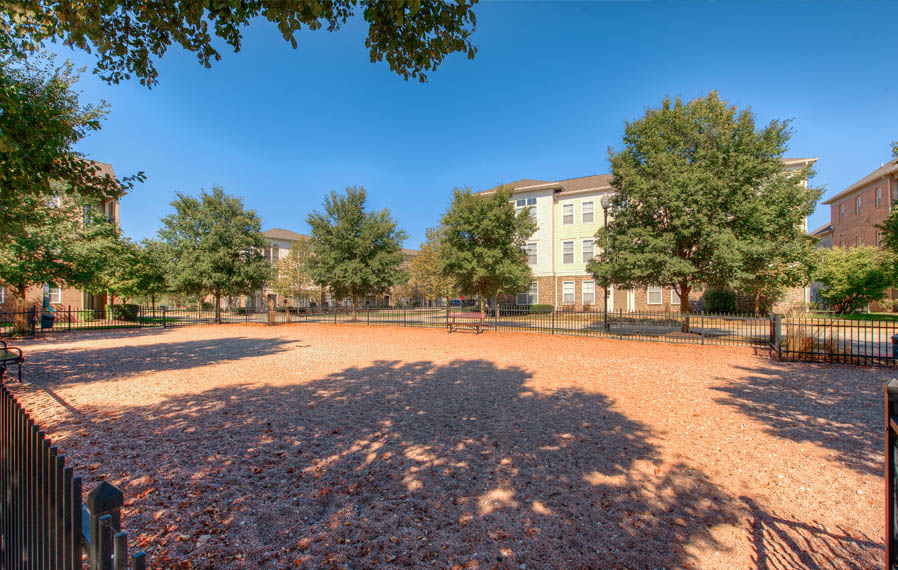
852	226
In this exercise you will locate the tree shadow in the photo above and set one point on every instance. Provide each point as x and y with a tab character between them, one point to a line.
399	465
781	543
62	366
836	407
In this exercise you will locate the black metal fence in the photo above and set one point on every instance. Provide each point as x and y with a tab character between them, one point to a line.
891	473
43	524
827	339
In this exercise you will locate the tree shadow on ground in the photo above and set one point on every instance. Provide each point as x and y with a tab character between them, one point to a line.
820	404
782	543
73	365
400	465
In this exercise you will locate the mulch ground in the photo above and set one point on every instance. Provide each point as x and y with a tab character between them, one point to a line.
321	446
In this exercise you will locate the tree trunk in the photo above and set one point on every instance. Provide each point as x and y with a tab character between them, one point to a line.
758	302
21	320
218	307
684	306
355	309
153	301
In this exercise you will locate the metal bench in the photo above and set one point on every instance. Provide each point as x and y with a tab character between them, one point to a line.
465	321
10	355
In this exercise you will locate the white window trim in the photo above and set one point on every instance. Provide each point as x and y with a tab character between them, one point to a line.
583	293
535	252
564	215
653	289
528	293
573	252
879	196
674	298
573	285
58	295
583	212
2	295
583	250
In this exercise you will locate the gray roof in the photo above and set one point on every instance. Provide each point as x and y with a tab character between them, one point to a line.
601	181
822	230
884	170
280	233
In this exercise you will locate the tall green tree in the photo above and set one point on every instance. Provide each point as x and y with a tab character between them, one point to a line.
355	252
689	180
147	272
293	277
854	277
215	247
103	259
482	244
425	269
414	36
41	121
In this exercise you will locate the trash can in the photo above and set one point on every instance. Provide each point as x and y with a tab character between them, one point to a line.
47	320
895	346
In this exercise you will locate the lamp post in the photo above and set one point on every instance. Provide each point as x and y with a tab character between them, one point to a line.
606	201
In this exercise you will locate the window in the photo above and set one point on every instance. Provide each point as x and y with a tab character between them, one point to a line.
530	248
2	295
841	243
857	205
588	250
588	293
674	297
879	196
530	296
567	252
878	241
842	211
587	212
857	241
567	293
654	295
55	295
567	214
522	203
275	253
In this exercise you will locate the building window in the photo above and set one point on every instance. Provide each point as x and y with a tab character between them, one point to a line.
842	211
588	250
879	196
522	203
530	296
530	248
587	212
879	241
567	293
55	295
857	205
567	252
588	292
674	297
275	253
2	295
654	295
841	243
567	214
857	241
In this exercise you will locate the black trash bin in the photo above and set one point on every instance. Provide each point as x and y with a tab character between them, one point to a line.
47	320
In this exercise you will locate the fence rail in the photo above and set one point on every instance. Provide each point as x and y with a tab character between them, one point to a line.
43	523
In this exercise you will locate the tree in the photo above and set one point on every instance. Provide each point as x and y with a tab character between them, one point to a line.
689	179
355	252
147	272
425	270
895	149
482	245
853	277
293	278
103	259
41	121
215	245
412	35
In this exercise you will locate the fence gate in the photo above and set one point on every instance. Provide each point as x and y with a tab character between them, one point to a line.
43	523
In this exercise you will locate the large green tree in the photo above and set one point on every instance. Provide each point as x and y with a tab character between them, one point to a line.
853	277
147	272
691	198
41	121
293	278
103	259
414	36
425	269
482	244
215	247
355	252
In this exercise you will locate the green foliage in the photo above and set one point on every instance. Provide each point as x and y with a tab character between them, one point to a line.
895	149
103	260
720	301
125	312
41	122
412	35
425	271
214	247
355	252
540	309
293	278
482	245
147	271
698	191
853	277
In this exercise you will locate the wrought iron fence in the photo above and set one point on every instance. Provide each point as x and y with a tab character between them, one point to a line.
828	339
43	523
891	473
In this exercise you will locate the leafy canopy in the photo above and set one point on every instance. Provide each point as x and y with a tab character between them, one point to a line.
425	269
482	244
853	277
701	192
215	246
293	277
355	252
414	36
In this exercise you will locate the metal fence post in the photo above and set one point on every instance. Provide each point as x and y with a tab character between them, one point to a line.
104	504
553	319
70	318
890	390
163	316
778	335
702	327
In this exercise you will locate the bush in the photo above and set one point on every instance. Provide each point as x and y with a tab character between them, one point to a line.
720	301
207	306
540	309
124	312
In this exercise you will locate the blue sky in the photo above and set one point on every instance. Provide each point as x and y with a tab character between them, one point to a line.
547	94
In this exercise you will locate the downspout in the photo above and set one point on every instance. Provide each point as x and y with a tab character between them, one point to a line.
554	276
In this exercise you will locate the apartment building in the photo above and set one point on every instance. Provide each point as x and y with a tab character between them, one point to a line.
568	214
59	296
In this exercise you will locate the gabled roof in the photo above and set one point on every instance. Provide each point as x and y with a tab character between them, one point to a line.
826	228
881	172
592	182
280	233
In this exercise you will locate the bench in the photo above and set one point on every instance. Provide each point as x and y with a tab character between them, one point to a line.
10	355
465	321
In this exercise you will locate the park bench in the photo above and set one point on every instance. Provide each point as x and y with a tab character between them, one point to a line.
465	321
10	355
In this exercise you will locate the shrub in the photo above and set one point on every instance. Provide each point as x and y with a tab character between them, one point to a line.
720	301
540	309
124	312
242	310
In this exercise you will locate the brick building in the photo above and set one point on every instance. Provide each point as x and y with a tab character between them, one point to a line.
62	297
568	214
